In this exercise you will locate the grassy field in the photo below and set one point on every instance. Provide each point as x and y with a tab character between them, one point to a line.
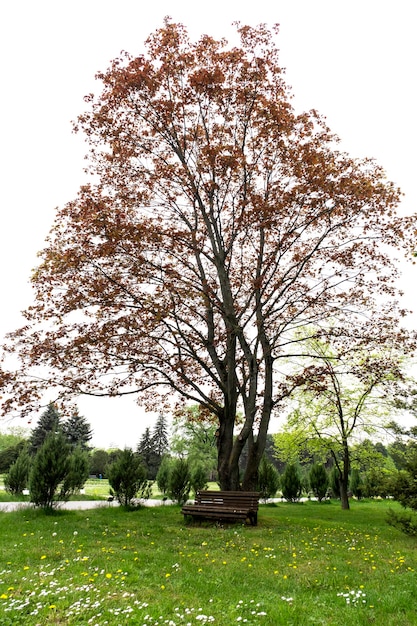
304	564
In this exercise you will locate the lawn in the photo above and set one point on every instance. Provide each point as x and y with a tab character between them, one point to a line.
303	564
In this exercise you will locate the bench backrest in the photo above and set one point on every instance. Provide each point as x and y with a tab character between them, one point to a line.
244	499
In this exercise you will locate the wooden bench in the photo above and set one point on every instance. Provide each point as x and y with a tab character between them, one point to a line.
227	506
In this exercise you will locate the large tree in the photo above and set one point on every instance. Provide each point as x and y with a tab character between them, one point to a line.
50	422
77	431
218	220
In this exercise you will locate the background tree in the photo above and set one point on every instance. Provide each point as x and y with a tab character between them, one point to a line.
160	437
12	441
356	484
77	431
99	459
127	477
12	436
195	437
17	478
49	422
375	469
10	454
221	220
163	476
404	489
148	454
345	392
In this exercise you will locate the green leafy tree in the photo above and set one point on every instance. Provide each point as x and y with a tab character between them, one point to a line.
127	477
344	392
17	478
77	431
49	422
376	469
179	481
404	489
319	481
195	437
50	466
99	460
13	436
291	486
268	479
9	455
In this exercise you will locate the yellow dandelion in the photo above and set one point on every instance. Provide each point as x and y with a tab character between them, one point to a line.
108	575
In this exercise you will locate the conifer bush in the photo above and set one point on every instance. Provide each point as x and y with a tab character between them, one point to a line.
162	477
319	481
180	481
79	469
291	486
50	466
128	478
198	478
17	478
268	479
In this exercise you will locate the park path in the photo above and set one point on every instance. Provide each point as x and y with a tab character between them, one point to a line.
6	507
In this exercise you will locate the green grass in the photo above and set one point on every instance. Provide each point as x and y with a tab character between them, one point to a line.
300	566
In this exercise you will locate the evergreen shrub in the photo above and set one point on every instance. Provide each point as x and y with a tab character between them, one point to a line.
180	481
291	486
128	478
268	479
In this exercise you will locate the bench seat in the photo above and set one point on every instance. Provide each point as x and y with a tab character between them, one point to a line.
224	505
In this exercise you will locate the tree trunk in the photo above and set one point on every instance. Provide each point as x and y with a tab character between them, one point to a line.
344	478
344	498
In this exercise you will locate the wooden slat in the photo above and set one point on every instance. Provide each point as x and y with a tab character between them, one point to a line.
224	505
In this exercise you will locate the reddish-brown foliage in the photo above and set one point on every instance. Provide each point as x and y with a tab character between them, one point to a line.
218	222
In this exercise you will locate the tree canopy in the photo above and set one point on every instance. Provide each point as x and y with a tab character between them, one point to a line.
217	222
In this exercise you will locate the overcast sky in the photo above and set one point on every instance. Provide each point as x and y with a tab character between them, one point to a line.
353	61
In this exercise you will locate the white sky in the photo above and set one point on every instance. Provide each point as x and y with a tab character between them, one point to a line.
353	61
